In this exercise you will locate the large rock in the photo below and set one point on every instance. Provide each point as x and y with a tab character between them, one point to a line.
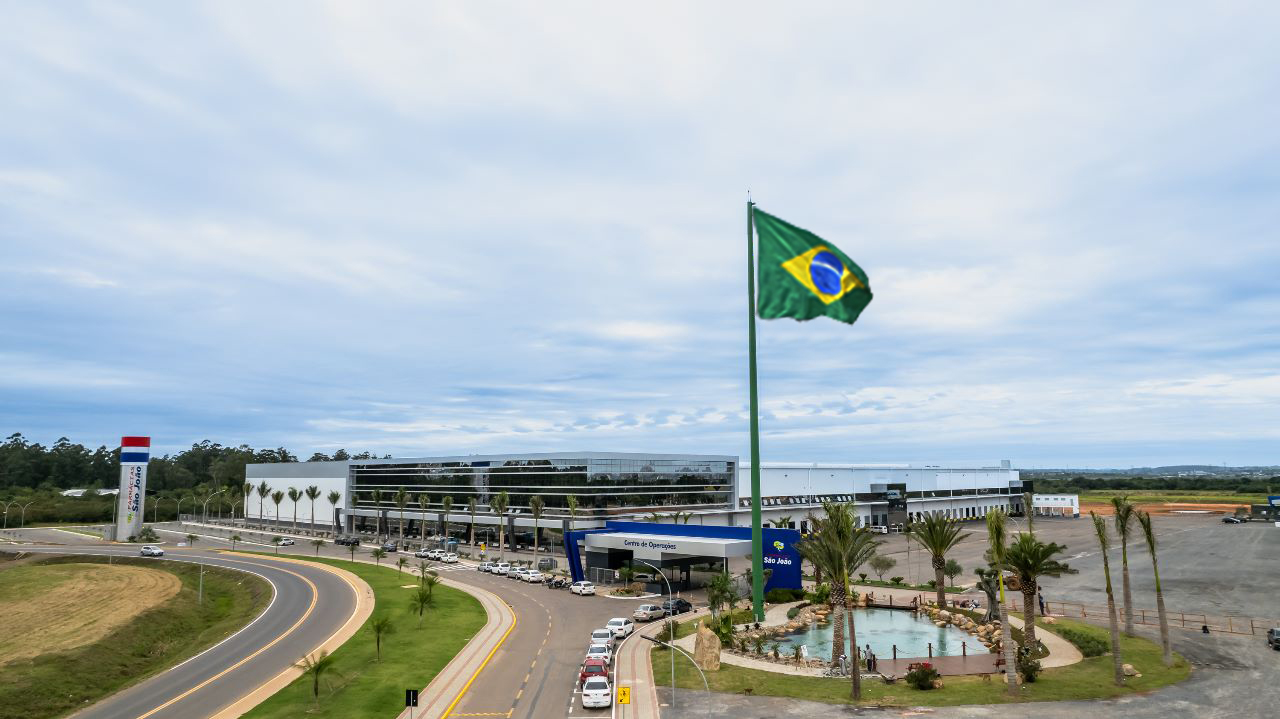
944	615
706	649
1129	671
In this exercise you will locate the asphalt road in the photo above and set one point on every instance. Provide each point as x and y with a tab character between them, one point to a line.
309	605
534	674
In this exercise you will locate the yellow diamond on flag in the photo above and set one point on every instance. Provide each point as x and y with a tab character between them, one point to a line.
822	273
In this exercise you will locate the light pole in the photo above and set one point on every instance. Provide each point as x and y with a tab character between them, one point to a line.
204	510
178	513
673	648
671	624
22	521
7	505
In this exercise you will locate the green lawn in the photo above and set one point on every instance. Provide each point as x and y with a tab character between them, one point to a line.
1089	679
360	687
1139	496
151	642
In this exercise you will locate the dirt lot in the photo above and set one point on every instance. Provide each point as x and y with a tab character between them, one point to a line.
63	604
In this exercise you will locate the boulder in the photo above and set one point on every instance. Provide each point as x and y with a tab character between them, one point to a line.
944	615
1048	620
1129	671
706	649
939	624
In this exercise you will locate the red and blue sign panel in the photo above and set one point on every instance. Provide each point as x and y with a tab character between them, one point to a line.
135	450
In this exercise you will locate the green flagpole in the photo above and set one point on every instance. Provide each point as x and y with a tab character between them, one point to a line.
757	534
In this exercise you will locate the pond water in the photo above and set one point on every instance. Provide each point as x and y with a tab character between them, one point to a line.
882	629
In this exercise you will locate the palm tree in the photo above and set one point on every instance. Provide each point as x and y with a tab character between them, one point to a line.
378	553
471	509
313	493
235	538
498	504
264	491
989	583
192	539
536	505
376	497
998	552
401	562
316	668
1104	542
1029	559
1124	521
429	581
571	501
1148	532
839	548
317	543
276	498
294	496
334	497
784	521
446	505
381	627
246	491
352	548
937	535
402	501
424	501
420	601
275	541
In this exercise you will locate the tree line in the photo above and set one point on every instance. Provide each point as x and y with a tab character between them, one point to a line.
1081	483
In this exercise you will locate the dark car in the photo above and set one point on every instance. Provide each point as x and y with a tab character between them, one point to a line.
676	606
1273	638
1231	520
389	546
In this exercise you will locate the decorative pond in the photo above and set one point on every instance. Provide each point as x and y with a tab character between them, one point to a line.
882	629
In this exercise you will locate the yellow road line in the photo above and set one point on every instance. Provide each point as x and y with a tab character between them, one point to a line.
514	619
315	597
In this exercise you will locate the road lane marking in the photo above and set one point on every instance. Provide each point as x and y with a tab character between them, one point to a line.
485	663
315	597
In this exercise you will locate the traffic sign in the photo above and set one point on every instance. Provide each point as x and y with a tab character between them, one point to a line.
411	697
624	695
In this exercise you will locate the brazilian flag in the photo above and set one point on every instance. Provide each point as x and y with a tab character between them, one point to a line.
803	276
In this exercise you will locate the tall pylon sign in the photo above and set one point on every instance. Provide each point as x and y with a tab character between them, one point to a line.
135	452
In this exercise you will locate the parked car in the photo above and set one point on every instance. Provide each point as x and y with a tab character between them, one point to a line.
621	627
422	554
642	577
546	563
516	573
152	551
600	651
593	668
484	566
676	606
602	636
1273	638
1231	520
501	568
582	588
596	693
648	612
286	542
449	558
532	575
390	547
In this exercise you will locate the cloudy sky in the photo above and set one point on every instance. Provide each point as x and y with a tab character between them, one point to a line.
464	227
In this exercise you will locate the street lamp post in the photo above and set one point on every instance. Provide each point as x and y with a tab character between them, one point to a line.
7	505
178	513
673	649
22	520
671	624
204	510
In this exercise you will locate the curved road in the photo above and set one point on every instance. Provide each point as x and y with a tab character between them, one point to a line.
309	605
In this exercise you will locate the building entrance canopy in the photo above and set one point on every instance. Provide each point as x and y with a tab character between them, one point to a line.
659	547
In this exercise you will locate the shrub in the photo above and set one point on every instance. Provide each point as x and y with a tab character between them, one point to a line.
933	584
758	642
782	596
1089	644
895	580
821	594
922	676
1027	667
862	576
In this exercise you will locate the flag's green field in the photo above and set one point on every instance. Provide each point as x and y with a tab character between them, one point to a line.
1088	679
361	687
123	650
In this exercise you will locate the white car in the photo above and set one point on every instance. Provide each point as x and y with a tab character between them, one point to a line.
501	568
602	636
621	627
422	554
449	558
600	651
516	573
532	576
582	588
435	554
596	693
152	551
484	566
286	542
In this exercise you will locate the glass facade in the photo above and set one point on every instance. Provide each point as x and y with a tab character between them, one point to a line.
605	484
